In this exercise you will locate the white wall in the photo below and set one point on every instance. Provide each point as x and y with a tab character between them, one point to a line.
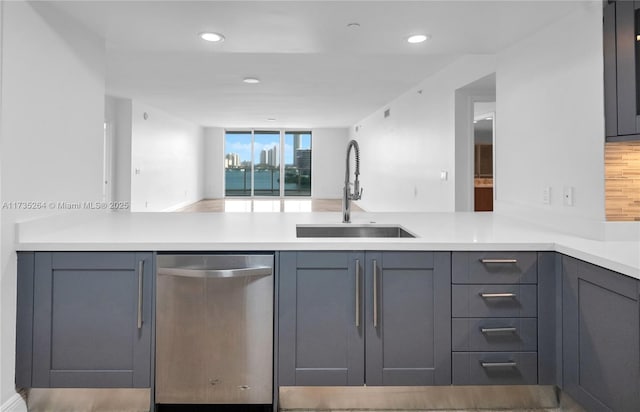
328	151
213	163
402	156
481	109
118	112
167	152
550	127
51	135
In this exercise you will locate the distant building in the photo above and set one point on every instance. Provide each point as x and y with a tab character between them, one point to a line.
231	160
269	156
297	142
303	159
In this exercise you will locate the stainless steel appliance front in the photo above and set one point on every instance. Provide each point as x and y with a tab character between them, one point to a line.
214	337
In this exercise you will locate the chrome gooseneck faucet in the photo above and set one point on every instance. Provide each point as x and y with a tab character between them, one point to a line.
347	196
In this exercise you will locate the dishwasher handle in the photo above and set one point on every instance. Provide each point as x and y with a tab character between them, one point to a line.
216	273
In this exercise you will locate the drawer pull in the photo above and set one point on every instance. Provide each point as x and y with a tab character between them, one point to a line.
498	295
499	260
488	365
140	295
499	330
375	293
357	293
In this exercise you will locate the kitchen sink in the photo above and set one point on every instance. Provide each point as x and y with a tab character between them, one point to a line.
351	230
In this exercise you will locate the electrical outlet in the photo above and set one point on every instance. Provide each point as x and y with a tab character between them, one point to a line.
567	196
546	195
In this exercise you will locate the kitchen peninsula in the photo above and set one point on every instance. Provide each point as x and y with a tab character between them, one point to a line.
462	273
277	231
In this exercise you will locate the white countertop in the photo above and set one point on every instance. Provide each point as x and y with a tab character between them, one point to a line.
277	231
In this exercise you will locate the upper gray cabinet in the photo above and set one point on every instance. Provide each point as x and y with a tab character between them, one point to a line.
84	320
622	70
601	347
333	305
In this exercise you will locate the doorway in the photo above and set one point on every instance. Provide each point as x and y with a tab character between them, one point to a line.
483	155
475	104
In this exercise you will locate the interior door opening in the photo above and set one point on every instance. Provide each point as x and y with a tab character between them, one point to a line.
483	156
474	104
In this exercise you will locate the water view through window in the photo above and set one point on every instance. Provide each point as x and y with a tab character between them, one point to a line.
266	173
238	164
256	161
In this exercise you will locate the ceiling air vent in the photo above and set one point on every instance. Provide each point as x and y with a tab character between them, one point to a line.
387	113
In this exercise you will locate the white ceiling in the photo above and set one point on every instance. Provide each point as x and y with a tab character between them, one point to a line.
314	71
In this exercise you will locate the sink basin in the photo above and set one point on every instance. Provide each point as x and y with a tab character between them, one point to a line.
351	230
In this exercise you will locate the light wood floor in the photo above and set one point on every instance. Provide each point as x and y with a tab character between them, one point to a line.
267	205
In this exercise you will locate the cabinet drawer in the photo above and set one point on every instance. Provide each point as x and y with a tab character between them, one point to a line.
494	334
498	301
495	368
494	267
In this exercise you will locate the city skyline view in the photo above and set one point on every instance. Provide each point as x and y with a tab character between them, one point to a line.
240	144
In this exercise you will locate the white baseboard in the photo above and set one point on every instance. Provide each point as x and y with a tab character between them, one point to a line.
14	404
180	205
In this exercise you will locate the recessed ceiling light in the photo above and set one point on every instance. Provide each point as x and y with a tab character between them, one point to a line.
251	80
488	118
213	37
271	119
353	25
418	38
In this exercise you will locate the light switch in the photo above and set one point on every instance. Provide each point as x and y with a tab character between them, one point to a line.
546	195
567	196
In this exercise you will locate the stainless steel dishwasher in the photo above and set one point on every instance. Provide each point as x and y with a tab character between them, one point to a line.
214	329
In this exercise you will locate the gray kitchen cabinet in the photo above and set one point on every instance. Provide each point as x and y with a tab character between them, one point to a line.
333	305
601	347
408	318
84	319
321	340
621	70
503	318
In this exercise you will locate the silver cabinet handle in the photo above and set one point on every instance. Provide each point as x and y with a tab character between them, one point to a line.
499	260
216	273
357	293
499	330
140	273
497	295
375	293
499	364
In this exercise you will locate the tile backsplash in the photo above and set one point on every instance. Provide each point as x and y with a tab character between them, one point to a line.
622	181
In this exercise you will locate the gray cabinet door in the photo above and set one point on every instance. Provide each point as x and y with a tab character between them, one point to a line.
86	330
408	318
626	67
600	337
321	332
622	110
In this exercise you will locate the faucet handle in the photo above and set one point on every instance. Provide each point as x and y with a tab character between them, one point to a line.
357	191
